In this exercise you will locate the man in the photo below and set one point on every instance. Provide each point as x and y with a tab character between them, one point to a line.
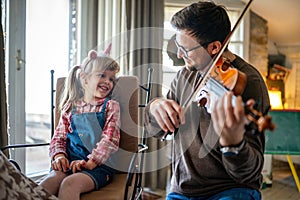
214	156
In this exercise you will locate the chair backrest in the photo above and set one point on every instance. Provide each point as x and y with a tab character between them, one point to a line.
126	92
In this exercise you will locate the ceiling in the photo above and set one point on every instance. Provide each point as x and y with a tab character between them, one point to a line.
283	18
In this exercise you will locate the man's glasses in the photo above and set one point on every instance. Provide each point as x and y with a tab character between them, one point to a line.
184	51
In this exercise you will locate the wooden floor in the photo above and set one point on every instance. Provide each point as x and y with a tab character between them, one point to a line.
280	191
283	186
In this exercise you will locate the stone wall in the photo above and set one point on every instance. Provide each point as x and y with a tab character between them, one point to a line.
292	83
258	48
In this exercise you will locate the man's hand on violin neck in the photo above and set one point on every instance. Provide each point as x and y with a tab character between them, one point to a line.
168	114
229	121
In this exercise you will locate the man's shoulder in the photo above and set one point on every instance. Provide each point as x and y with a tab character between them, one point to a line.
244	66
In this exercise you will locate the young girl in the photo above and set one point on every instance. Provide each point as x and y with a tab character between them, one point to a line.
88	132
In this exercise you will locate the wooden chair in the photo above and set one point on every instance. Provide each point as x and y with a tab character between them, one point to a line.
126	93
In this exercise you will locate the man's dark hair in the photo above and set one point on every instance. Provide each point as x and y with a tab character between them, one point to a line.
205	20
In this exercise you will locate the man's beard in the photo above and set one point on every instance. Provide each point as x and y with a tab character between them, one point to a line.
191	68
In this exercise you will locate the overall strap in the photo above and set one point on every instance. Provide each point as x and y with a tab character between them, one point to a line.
104	104
102	116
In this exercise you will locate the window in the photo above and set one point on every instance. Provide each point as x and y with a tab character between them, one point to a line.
169	70
47	48
38	32
237	43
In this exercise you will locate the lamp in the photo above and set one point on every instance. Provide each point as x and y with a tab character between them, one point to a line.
275	99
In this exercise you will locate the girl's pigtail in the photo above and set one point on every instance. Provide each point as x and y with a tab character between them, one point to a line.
73	88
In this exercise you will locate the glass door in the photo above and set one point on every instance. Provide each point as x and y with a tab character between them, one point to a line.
40	44
47	46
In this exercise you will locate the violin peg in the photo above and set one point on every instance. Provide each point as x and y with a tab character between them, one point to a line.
265	123
271	126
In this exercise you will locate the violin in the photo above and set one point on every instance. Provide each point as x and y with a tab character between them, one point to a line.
220	77
231	78
224	78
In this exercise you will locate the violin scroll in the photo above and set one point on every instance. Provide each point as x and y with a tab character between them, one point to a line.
263	122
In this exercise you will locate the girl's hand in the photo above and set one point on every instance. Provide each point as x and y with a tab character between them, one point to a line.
88	165
76	165
60	163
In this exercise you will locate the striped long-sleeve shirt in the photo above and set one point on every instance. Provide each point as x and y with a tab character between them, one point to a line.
110	137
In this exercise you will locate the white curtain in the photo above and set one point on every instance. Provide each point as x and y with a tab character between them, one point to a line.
145	38
100	23
112	29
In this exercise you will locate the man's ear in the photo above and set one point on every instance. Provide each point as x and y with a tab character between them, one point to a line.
214	47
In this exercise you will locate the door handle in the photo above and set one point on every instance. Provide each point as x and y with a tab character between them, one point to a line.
19	59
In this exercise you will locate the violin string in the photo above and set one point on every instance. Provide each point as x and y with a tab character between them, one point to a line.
218	89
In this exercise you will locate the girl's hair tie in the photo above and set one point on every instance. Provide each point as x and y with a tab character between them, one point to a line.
92	54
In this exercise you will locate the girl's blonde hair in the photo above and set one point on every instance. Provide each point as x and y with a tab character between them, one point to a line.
73	88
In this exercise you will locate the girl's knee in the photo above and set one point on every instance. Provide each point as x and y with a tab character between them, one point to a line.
52	181
76	184
54	177
67	182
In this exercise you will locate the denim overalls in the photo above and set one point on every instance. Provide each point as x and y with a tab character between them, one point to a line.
87	129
